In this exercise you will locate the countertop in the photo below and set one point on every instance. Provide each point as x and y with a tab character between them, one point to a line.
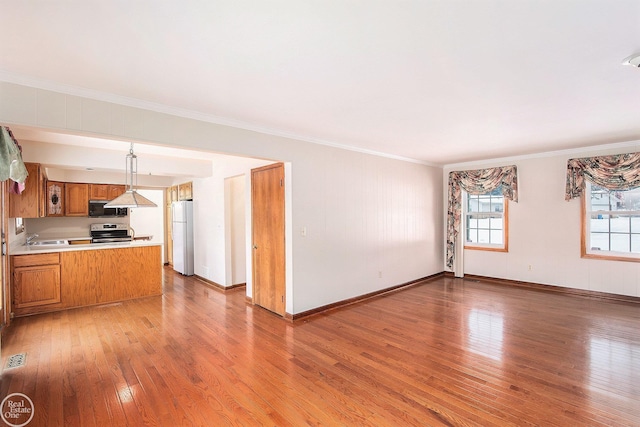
22	249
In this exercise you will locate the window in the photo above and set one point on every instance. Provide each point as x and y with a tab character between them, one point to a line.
486	221
611	223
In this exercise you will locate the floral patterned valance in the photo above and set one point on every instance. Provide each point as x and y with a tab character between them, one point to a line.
618	172
478	181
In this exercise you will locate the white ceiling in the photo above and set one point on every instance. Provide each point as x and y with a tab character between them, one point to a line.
438	81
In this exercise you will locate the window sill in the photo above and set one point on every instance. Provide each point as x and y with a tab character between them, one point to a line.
487	248
625	258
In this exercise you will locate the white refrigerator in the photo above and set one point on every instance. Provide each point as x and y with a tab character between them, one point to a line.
182	229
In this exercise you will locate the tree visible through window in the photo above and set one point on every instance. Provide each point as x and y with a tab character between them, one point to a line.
486	221
613	226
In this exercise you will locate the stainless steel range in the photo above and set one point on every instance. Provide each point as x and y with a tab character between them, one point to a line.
110	233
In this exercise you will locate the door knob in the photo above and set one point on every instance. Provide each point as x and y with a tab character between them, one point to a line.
255	247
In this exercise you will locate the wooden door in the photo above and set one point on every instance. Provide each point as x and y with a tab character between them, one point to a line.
76	199
98	192
267	211
27	204
38	285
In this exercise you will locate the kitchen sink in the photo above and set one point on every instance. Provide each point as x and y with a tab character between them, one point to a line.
49	243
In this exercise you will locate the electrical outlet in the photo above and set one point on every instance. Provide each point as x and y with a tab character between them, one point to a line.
530	267
380	274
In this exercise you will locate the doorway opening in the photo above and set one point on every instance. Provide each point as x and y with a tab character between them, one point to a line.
235	231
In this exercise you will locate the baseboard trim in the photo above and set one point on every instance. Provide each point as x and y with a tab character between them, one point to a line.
218	286
361	298
551	288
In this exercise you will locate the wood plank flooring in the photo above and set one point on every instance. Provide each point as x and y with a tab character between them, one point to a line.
446	352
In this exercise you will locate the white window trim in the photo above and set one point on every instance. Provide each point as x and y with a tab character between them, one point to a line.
504	247
585	242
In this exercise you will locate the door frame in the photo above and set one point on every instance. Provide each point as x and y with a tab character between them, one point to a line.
5	282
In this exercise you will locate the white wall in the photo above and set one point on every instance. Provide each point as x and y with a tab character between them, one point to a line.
365	217
209	218
149	221
544	231
235	224
52	227
364	214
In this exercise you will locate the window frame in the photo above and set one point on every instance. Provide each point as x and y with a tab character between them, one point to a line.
585	230
487	246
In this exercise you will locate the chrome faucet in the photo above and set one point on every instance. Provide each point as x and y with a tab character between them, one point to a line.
30	238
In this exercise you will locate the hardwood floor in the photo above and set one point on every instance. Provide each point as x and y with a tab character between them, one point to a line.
446	352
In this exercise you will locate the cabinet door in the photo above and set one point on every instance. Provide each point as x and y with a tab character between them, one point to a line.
55	198
27	203
115	191
76	199
174	193
185	191
39	285
98	192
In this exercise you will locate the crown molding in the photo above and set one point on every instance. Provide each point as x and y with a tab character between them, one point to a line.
42	84
580	151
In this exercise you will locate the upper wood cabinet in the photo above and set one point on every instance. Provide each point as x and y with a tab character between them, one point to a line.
115	191
105	191
76	199
30	203
98	192
54	196
185	191
174	194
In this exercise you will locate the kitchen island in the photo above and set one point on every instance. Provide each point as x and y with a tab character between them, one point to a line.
58	277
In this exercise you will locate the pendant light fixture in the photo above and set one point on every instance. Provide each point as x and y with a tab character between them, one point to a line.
130	198
633	60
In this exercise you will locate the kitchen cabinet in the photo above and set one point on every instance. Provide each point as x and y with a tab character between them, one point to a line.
174	193
54	281
30	203
36	280
115	191
98	191
76	199
54	196
185	191
105	191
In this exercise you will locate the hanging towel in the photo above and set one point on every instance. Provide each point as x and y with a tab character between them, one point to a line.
11	164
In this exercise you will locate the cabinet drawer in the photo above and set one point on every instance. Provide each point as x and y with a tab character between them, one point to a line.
35	259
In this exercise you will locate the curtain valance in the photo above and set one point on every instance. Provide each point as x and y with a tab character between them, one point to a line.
478	181
617	172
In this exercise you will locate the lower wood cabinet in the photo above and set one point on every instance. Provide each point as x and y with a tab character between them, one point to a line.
60	280
36	280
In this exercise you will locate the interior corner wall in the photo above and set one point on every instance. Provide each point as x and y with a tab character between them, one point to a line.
209	238
544	232
371	222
